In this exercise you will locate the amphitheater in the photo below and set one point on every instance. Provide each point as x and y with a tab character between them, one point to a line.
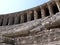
36	26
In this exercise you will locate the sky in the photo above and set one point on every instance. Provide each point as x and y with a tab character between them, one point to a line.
10	6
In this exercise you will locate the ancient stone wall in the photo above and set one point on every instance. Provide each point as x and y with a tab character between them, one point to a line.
43	31
45	37
37	26
48	9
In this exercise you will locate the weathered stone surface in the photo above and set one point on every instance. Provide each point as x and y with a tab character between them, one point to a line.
4	44
50	37
37	26
52	22
25	28
38	31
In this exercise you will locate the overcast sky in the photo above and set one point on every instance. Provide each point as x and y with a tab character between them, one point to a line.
10	6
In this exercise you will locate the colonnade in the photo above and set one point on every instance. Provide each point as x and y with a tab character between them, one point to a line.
47	9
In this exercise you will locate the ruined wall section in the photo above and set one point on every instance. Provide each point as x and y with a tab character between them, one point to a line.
48	9
42	26
45	31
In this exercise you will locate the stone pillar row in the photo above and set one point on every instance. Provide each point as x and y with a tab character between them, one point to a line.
20	18
50	6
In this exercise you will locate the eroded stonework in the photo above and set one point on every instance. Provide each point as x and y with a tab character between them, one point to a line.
36	26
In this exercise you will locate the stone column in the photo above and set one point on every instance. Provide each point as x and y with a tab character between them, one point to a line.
35	14
11	20
22	18
16	20
28	16
5	20
50	9
42	11
1	20
58	4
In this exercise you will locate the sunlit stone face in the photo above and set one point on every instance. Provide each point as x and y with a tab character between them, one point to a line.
23	42
37	26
